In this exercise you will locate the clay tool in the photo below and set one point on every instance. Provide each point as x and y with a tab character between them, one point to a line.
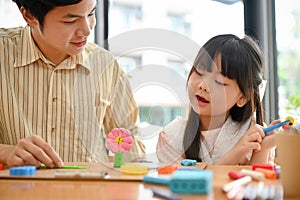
271	128
259	176
236	183
165	194
157	179
81	175
64	167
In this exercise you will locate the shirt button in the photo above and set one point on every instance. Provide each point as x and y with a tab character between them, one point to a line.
54	99
53	130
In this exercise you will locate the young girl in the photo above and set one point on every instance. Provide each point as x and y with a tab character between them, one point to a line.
225	123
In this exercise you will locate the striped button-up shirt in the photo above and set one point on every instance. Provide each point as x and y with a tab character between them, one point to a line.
72	106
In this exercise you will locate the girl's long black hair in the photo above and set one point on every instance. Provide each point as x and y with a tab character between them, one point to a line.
241	60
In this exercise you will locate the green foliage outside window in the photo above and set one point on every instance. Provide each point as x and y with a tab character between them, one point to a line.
288	60
294	105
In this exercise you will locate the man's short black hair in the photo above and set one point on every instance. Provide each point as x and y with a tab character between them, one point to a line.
39	8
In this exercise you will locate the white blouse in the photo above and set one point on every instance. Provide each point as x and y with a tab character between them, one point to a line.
217	142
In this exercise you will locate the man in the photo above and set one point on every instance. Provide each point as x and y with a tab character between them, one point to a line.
60	95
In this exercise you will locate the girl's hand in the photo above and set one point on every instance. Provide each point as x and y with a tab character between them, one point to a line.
269	141
251	141
268	144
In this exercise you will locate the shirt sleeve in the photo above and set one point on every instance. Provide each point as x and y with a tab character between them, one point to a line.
123	112
169	148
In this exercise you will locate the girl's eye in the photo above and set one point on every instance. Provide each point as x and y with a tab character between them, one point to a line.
220	83
199	73
221	80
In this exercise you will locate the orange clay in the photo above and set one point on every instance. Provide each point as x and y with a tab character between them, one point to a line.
168	169
270	174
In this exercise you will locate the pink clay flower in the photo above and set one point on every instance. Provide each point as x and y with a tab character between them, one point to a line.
119	140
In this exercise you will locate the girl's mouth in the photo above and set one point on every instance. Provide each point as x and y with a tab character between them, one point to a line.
201	100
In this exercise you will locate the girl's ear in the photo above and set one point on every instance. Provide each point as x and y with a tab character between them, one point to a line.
241	101
31	20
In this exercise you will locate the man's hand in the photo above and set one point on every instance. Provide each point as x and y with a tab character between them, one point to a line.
35	151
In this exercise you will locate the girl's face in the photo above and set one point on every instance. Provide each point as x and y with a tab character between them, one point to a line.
211	94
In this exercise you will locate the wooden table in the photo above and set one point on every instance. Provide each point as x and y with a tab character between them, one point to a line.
134	188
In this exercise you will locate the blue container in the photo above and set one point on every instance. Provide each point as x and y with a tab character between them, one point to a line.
22	171
191	182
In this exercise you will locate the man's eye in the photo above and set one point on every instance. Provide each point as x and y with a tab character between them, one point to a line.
70	22
91	14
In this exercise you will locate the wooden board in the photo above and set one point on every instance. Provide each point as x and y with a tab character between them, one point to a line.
94	171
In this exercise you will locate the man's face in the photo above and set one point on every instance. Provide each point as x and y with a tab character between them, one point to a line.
65	30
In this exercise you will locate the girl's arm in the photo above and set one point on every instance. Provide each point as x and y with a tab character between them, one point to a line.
263	156
267	151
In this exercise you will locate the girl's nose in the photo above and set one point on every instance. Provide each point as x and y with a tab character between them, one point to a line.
203	86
